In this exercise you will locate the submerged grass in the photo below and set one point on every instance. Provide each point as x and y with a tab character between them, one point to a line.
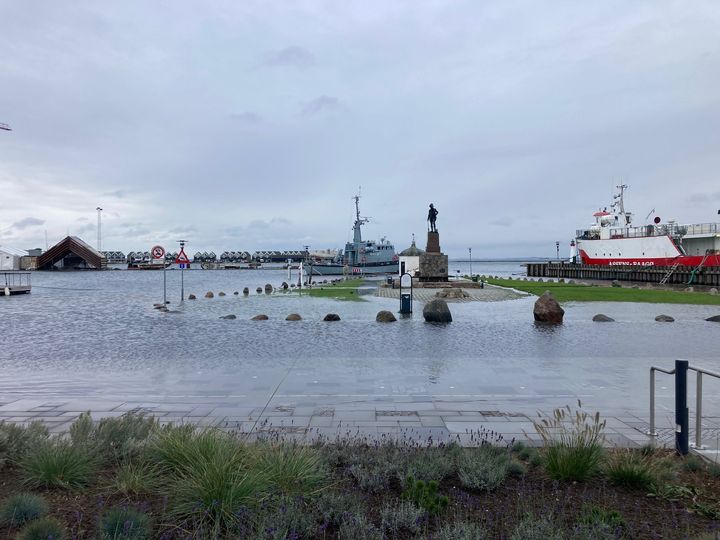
573	292
342	290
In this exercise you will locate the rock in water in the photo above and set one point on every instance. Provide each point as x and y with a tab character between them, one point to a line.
284	286
261	317
258	290
547	310
451	293
437	310
229	317
236	293
221	293
293	317
332	317
268	288
209	294
664	318
385	316
246	291
191	297
714	318
602	318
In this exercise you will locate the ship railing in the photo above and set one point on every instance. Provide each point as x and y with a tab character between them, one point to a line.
669	229
681	410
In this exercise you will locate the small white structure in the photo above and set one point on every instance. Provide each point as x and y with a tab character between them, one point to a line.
10	258
409	260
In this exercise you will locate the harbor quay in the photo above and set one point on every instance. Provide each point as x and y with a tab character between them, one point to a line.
491	370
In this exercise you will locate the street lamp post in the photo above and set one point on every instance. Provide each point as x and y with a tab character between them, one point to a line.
99	235
182	271
557	250
470	253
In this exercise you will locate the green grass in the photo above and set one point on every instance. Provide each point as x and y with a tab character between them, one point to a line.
632	470
564	292
342	290
58	464
22	508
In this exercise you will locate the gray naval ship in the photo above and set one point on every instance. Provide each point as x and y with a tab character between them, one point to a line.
361	257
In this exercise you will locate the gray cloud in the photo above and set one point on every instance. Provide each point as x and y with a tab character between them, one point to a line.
118	193
321	104
27	222
294	56
247	118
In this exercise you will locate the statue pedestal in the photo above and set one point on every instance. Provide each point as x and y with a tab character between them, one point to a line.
433	264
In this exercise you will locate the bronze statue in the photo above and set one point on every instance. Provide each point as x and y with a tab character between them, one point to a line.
432	217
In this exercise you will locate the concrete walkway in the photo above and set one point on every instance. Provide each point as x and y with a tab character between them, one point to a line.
489	293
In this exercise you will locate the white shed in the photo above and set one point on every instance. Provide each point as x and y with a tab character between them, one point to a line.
10	258
410	259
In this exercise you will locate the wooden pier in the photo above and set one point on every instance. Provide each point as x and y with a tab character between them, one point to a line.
680	275
14	283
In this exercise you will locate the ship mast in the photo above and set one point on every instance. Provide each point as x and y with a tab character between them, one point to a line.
619	203
357	236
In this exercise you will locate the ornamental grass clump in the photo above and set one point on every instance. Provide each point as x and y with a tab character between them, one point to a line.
117	439
21	508
292	469
573	443
483	468
124	523
46	528
16	440
57	463
134	479
632	470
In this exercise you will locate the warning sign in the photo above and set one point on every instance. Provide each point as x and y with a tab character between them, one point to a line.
158	252
182	259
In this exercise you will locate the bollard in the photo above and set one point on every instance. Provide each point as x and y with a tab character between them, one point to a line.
681	408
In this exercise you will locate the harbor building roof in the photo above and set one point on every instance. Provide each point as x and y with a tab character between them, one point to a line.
15	252
412	251
74	253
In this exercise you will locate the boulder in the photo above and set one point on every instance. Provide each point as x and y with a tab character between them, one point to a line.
602	318
261	317
331	317
221	293
236	293
571	282
191	297
284	286
664	318
209	294
616	283
713	291
714	318
229	317
690	289
268	288
437	311
293	317
547	310
246	291
258	290
385	316
540	280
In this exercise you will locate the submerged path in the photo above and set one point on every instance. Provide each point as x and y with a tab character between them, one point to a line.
488	294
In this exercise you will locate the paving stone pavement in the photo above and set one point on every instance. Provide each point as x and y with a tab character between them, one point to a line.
489	293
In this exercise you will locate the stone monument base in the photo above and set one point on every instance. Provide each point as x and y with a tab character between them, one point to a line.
433	267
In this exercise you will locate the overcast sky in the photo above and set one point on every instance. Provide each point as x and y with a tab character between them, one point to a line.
250	125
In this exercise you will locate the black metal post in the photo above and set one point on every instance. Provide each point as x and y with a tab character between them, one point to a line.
681	408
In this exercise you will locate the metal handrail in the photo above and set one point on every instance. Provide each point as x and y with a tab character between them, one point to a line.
698	402
652	432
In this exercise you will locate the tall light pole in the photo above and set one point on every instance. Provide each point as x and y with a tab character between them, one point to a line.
557	250
99	234
470	253
182	271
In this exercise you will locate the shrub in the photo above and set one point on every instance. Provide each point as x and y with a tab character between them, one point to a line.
21	508
402	516
463	530
374	477
485	467
358	527
293	469
46	528
15	440
425	495
632	470
516	468
573	443
133	479
58	464
429	464
597	523
532	527
288	517
180	448
114	438
335	506
124	523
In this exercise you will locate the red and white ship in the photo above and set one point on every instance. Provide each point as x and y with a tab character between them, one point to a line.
614	240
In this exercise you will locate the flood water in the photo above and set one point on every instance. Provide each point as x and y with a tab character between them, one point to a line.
84	334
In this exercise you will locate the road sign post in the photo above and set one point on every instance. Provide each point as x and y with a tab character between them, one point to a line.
158	252
183	262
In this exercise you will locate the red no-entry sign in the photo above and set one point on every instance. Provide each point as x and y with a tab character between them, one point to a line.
158	252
